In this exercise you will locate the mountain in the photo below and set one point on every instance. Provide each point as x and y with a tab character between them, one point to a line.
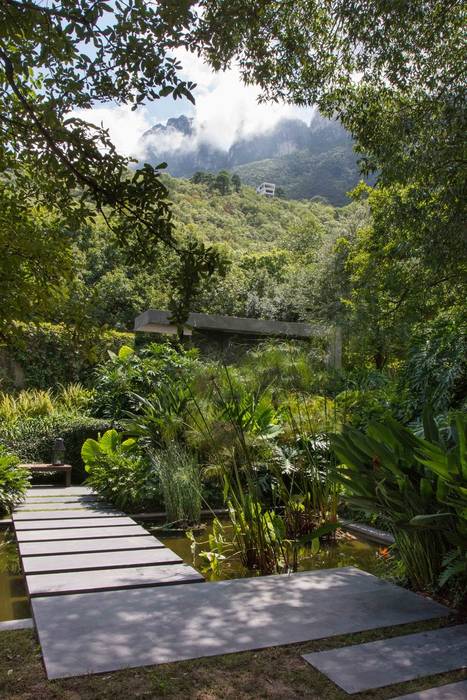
306	161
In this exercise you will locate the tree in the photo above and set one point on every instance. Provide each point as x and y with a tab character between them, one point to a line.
236	182
394	75
222	182
54	59
35	259
407	108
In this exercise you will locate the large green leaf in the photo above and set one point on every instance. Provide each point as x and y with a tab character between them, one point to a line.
90	451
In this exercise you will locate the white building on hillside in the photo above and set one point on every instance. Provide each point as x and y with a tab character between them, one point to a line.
267	189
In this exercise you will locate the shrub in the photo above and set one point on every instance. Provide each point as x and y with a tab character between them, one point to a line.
28	403
436	369
32	438
119	473
13	481
74	398
129	373
386	470
179	475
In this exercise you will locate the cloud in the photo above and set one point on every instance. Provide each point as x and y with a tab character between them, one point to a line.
125	127
226	109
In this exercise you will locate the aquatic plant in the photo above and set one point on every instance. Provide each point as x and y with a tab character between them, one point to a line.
179	475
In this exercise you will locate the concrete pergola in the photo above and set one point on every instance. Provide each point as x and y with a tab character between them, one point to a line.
158	321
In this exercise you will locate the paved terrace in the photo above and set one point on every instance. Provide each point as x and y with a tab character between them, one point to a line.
107	595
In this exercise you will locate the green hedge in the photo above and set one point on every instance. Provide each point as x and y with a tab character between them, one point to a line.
32	438
52	354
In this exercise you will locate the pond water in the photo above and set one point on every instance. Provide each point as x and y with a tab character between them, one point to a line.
14	604
348	551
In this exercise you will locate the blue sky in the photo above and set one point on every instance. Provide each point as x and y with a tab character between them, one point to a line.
225	109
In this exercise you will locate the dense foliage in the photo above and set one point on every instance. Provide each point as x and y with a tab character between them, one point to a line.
13	481
418	487
47	355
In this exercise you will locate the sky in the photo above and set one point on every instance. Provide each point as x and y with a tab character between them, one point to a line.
225	109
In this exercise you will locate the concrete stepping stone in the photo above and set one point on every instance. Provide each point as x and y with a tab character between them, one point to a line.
103	520
26	623
52	497
34	508
128	529
97	632
90	512
58	491
107	579
452	691
106	544
99	560
376	664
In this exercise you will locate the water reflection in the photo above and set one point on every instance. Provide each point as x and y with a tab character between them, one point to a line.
347	551
14	604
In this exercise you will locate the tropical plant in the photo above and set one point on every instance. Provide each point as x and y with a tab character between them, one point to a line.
381	473
447	461
159	419
29	403
74	398
435	371
119	473
268	514
14	480
179	475
312	472
128	375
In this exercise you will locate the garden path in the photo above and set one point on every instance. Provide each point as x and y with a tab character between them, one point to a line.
111	603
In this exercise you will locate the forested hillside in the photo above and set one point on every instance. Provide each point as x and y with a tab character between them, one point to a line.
306	161
277	253
329	174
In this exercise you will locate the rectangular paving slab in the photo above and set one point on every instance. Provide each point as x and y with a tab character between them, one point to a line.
452	691
85	498
106	544
107	579
128	529
58	491
99	560
376	664
98	632
89	512
72	523
78	502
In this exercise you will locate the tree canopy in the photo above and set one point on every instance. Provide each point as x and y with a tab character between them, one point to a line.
61	56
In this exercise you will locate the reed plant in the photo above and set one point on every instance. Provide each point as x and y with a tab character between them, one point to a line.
179	475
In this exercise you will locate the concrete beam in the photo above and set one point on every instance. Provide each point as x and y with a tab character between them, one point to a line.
156	321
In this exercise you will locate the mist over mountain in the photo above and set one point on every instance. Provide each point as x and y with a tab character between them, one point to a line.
306	161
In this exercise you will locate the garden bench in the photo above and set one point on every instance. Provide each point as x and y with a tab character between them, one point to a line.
40	467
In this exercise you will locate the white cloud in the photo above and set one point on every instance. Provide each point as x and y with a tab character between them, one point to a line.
125	127
225	110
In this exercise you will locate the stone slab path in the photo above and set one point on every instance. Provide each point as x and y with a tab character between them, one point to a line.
37	500
55	563
69	542
109	579
58	523
58	491
66	514
453	691
106	595
96	632
376	664
80	546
